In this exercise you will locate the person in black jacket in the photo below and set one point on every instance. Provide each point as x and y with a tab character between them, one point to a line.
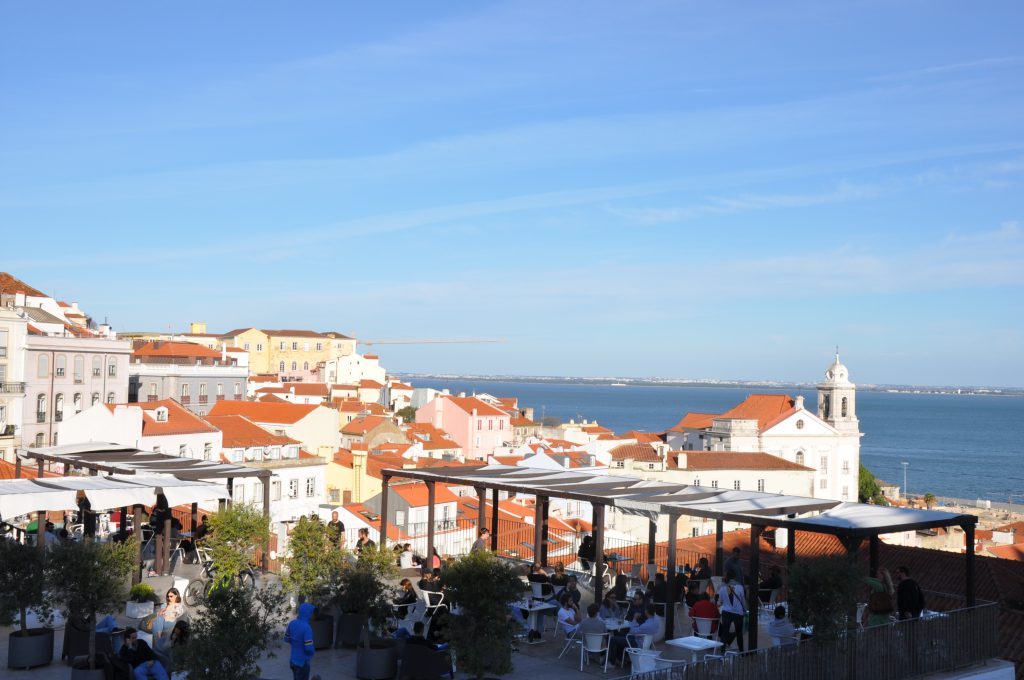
587	552
909	598
406	597
137	654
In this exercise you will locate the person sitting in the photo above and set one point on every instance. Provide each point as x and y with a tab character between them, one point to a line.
610	609
417	637
432	586
645	623
621	588
405	558
593	622
165	646
660	592
568	616
169	614
704	608
587	552
537	575
406	598
137	654
781	629
50	537
770	584
637	606
559	579
572	589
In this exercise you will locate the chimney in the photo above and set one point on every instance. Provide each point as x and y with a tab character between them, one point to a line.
681	460
798	402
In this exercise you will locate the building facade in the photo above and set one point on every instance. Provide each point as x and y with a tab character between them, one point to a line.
13	344
195	376
477	426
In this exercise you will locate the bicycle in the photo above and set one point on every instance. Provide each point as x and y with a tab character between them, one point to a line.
200	587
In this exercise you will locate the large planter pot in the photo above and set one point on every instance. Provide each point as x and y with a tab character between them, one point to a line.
376	662
323	631
31	650
349	628
86	674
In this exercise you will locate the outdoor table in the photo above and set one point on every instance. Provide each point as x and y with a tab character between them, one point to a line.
616	559
534	607
695	645
615	625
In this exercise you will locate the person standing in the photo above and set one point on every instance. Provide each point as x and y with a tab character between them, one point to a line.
735	564
909	598
364	540
299	635
731	599
481	543
337	528
86	517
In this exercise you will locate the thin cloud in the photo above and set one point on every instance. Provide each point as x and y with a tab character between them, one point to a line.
942	69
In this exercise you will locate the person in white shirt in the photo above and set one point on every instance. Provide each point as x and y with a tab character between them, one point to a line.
568	616
781	629
731	601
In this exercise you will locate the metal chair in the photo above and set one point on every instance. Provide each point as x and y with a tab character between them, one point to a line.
641	661
570	639
633	578
430	608
595	643
705	627
643	642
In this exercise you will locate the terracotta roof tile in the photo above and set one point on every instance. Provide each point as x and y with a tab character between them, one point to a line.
468	404
733	460
415	494
10	285
694	421
763	408
179	419
1007	552
239	431
640	452
264	412
166	348
645	437
361	426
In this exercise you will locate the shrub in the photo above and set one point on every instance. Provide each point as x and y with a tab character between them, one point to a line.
314	562
235	533
823	592
22	583
143	592
362	588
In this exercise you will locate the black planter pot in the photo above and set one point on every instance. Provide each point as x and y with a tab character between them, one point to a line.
378	661
349	628
31	650
323	631
86	674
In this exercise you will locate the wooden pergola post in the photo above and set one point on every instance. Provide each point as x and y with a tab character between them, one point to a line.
265	479
719	548
538	530
481	511
753	601
652	542
137	534
385	484
545	508
494	520
41	518
598	552
873	556
969	564
791	548
430	521
670	605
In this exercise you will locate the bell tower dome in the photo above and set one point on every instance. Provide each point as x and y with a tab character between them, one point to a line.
837	398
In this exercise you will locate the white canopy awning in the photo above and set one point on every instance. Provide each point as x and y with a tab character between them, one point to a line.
177	491
22	496
103	492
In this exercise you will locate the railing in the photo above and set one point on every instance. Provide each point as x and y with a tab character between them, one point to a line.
905	649
40	416
12	388
185	399
202	398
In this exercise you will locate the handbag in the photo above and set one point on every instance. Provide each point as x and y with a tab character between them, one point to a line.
146	624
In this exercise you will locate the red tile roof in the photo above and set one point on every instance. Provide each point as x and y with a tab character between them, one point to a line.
1008	552
640	452
179	419
694	421
518	421
764	408
304	389
239	431
733	460
10	285
167	348
361	426
415	494
266	397
645	437
263	378
27	471
370	385
264	412
469	404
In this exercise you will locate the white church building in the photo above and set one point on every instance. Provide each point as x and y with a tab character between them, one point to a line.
828	440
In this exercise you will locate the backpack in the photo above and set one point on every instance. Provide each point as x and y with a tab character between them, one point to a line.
880	602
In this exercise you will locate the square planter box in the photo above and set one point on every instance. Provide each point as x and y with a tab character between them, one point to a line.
137	610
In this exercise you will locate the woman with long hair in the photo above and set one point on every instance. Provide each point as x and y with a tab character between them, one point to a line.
169	613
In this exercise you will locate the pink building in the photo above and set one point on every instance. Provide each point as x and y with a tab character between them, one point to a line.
477	426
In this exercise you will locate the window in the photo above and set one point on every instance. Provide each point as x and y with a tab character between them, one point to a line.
479	424
43	369
305	347
58	408
295	365
238	390
79	369
650	466
280	345
97	367
111	397
305	365
293	488
846	467
60	365
220	391
823	483
3	343
185	393
295	346
95	398
620	463
490	424
112	369
319	347
823	463
275	490
259	347
153	392
245	347
274	452
714	484
800	424
280	367
844	408
156	449
238	493
399	518
41	408
501	424
846	492
77	401
207	451
736	485
696	481
257	492
39	439
310	487
760	485
799	457
182	450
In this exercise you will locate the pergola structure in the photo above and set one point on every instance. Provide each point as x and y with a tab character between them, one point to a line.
125	462
851	523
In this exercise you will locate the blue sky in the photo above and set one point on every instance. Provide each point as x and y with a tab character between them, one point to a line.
684	189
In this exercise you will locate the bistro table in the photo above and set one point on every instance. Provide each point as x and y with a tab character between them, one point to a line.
617	558
696	645
534	607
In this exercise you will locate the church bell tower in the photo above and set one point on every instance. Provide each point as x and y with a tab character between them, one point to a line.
837	398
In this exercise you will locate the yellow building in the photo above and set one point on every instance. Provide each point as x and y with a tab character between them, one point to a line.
286	351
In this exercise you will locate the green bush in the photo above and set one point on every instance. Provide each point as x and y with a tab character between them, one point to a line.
235	533
483	587
823	593
22	583
362	587
314	562
143	592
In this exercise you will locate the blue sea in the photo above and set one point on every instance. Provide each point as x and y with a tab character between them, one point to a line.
957	446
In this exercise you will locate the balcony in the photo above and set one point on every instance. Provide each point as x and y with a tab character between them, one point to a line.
12	388
186	399
203	399
220	397
58	417
40	416
7	431
153	397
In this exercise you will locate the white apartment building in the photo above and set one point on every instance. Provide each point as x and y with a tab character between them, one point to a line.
13	344
353	368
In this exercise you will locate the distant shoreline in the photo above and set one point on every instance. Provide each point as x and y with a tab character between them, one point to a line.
747	384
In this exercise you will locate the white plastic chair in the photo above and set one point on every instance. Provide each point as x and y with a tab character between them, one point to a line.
641	661
595	643
538	591
643	642
633	579
571	638
704	626
425	596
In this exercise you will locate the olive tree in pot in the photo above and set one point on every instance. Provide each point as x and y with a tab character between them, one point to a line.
22	581
482	587
823	593
364	599
314	565
233	627
235	533
88	579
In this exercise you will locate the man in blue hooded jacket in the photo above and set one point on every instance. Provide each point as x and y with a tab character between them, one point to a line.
300	635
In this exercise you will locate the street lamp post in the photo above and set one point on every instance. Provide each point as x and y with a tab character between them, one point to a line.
905	494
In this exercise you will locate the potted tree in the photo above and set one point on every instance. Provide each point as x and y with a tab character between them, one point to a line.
22	580
232	629
235	533
482	587
365	599
141	601
314	563
823	593
87	579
